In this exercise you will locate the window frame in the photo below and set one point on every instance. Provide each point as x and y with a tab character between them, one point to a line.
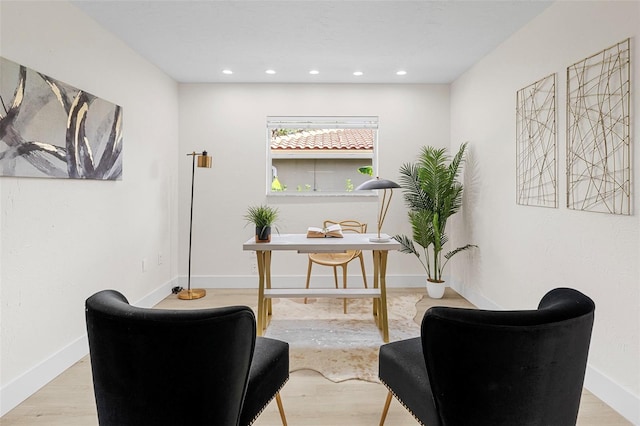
320	122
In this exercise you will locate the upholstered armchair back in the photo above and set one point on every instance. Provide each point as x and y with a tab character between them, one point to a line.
509	367
168	367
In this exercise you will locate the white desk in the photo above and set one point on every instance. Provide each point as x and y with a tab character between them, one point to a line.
302	244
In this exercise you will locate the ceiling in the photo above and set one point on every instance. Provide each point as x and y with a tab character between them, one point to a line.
434	41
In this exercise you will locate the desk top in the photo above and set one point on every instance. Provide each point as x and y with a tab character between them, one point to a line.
300	242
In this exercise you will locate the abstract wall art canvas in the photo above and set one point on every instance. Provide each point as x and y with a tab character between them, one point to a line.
51	129
536	168
598	132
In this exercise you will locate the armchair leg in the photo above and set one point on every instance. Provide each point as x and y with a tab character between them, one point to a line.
281	409
385	410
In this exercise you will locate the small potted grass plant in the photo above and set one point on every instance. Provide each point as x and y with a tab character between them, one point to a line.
263	217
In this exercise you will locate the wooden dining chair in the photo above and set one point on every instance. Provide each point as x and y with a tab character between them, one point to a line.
340	259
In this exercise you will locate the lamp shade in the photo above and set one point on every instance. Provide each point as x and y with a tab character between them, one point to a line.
204	160
377	183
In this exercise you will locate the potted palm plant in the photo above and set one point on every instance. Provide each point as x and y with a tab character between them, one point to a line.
432	193
263	217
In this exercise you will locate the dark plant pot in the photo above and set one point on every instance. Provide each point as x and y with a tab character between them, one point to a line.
263	234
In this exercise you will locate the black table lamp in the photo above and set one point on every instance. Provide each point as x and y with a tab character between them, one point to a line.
383	184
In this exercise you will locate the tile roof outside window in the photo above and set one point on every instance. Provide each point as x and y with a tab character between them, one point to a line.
325	139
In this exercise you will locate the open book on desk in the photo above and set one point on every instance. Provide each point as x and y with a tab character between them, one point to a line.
334	231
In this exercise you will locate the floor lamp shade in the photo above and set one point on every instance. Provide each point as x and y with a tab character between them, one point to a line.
385	185
204	161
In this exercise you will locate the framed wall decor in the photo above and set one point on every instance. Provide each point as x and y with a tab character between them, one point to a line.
51	129
536	169
598	132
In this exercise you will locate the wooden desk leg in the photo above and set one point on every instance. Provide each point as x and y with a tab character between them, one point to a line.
267	263
376	284
384	318
261	279
379	281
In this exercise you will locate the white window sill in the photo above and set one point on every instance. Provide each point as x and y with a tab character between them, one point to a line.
316	194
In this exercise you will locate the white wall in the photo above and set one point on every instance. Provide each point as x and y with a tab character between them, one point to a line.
62	240
230	122
525	251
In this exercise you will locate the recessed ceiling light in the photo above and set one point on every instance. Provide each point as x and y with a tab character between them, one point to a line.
358	73
228	72
270	72
401	72
314	72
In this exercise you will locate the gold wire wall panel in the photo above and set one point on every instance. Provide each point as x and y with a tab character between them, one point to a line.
536	180
598	132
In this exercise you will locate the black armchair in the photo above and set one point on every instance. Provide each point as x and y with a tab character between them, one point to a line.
189	367
477	367
268	374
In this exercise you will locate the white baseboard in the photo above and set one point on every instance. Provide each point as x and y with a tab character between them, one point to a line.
475	298
603	387
22	387
157	295
25	385
612	394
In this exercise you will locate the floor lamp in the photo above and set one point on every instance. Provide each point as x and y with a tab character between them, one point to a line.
383	184
204	160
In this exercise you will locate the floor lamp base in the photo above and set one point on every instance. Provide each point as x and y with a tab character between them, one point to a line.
194	293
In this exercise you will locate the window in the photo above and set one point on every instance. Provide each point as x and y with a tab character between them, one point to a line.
320	155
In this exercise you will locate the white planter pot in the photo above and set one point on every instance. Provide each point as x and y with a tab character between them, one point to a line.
435	290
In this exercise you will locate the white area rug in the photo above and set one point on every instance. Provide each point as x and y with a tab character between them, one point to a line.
339	346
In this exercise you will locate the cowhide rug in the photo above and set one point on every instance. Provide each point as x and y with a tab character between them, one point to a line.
339	346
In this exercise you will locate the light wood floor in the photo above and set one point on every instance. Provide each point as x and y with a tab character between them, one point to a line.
308	398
